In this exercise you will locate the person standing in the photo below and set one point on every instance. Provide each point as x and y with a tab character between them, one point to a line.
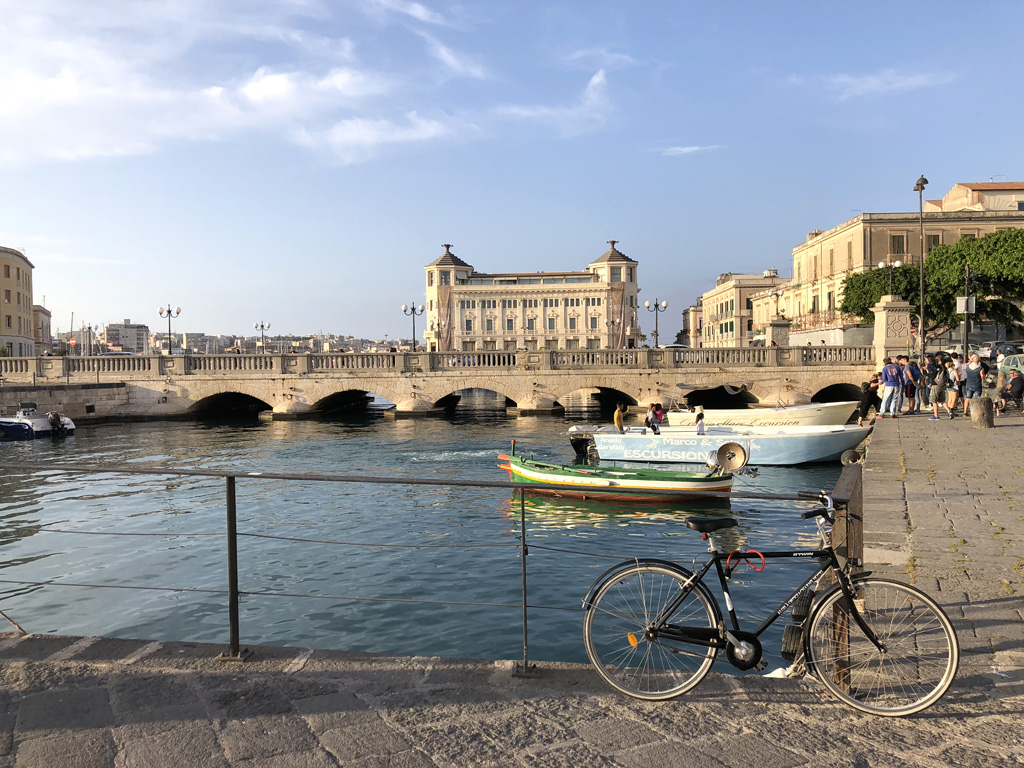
700	423
620	409
892	384
973	375
913	375
652	422
869	397
952	387
937	375
960	372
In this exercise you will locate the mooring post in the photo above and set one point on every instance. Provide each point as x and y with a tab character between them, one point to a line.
524	669
235	653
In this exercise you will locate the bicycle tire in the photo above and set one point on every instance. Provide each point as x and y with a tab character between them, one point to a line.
622	650
921	650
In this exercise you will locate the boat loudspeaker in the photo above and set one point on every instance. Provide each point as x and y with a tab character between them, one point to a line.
731	457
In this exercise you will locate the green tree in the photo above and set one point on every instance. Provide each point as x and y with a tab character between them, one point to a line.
997	282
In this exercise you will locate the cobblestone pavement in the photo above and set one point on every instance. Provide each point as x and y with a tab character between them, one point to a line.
945	514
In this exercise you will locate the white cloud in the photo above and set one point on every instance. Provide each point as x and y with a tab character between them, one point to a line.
692	150
588	113
417	11
884	81
600	57
357	140
459	65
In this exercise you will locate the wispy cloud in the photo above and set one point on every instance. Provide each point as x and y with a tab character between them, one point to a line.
357	140
692	150
602	58
588	113
417	11
460	65
846	86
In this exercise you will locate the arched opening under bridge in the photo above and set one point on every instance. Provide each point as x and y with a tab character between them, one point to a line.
837	393
228	405
593	401
352	401
724	396
476	400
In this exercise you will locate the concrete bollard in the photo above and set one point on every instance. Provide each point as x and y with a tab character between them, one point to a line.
982	411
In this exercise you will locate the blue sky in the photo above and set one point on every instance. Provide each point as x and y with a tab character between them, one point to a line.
300	161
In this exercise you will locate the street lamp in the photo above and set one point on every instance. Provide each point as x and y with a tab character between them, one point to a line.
612	331
169	313
413	311
777	295
919	188
894	265
657	309
261	327
87	332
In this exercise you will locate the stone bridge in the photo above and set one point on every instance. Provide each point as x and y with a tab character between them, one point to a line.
536	381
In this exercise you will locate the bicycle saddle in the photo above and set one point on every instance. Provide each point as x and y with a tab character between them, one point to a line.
709	524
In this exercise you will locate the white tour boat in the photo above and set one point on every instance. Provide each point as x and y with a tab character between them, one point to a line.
813	414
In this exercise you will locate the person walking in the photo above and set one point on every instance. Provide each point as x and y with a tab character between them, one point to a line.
958	360
620	409
952	387
892	385
939	380
973	386
927	379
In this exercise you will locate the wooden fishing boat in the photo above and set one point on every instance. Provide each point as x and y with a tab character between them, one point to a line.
602	482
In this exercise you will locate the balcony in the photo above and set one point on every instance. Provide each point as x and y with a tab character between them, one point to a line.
831	318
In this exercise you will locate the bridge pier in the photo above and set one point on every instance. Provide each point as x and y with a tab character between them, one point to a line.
535	406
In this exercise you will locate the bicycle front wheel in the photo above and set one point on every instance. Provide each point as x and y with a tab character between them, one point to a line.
631	643
918	660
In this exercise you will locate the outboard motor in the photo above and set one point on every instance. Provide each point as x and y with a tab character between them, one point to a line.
56	423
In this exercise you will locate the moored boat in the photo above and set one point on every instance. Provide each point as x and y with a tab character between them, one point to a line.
602	482
764	446
810	415
28	424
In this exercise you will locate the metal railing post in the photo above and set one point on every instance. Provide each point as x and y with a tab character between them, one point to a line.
524	669
235	652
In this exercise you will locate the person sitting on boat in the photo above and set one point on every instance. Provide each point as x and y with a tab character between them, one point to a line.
620	409
660	413
700	423
652	421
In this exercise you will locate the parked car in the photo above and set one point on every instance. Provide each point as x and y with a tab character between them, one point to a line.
1012	362
1006	347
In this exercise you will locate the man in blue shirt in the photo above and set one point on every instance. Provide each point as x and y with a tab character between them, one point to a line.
893	383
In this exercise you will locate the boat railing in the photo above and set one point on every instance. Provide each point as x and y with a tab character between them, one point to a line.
243	540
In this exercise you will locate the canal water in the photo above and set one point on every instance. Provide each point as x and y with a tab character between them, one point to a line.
420	570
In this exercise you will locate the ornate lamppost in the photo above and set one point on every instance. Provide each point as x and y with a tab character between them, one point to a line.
894	265
777	295
169	313
612	331
657	309
919	188
262	327
413	311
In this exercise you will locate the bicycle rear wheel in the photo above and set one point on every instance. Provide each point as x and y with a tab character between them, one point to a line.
626	647
920	655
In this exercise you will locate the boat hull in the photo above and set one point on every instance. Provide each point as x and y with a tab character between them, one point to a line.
783	448
603	483
13	430
813	415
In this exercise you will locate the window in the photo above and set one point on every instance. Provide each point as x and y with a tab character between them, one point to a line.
7	271
631	300
616	274
897	245
530	324
10	323
489	324
1020	205
551	344
814	305
446	278
831	301
593	323
510	324
469	326
968	236
469	346
551	323
849	255
7	296
490	345
629	274
572	323
593	343
930	241
799	271
831	262
430	279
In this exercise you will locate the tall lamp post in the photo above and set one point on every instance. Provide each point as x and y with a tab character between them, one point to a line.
612	331
657	309
413	311
87	332
894	265
169	313
262	327
919	188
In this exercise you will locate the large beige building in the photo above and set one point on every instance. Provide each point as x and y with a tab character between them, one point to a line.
593	309
812	297
41	322
725	313
127	337
17	329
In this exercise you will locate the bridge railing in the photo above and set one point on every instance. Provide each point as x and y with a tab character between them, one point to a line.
93	365
596	358
725	356
341	361
442	361
228	363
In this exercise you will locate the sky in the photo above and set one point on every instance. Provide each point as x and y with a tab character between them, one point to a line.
299	162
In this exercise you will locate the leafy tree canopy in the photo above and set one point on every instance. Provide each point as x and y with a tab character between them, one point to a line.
996	281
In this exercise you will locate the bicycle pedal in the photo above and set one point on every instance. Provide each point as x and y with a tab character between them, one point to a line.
761	666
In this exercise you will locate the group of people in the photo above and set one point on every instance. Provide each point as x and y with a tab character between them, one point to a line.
936	383
653	420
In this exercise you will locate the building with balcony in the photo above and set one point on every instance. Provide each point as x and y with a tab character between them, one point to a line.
812	297
469	311
127	337
726	311
17	327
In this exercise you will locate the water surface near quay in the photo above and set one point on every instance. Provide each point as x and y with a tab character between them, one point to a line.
461	446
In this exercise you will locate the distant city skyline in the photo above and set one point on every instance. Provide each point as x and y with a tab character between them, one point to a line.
300	163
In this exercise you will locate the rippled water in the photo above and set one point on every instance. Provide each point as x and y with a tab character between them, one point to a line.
466	538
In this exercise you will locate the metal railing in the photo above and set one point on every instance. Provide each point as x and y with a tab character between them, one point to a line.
848	524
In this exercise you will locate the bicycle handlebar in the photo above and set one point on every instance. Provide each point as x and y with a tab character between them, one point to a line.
813	495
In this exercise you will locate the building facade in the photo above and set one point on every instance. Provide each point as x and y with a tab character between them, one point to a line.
127	337
469	311
726	316
17	327
811	298
42	323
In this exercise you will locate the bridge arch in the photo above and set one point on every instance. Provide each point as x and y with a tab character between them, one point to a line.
229	403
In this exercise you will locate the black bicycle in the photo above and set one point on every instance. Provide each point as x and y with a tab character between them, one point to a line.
653	629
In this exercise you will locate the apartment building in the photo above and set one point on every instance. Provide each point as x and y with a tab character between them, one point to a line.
469	311
726	311
42	325
17	328
127	337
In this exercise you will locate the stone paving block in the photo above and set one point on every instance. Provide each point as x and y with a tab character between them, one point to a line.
615	733
336	710
667	754
371	738
570	755
65	709
6	734
81	749
192	745
37	647
318	759
243	697
109	650
265	736
520	731
456	744
750	749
